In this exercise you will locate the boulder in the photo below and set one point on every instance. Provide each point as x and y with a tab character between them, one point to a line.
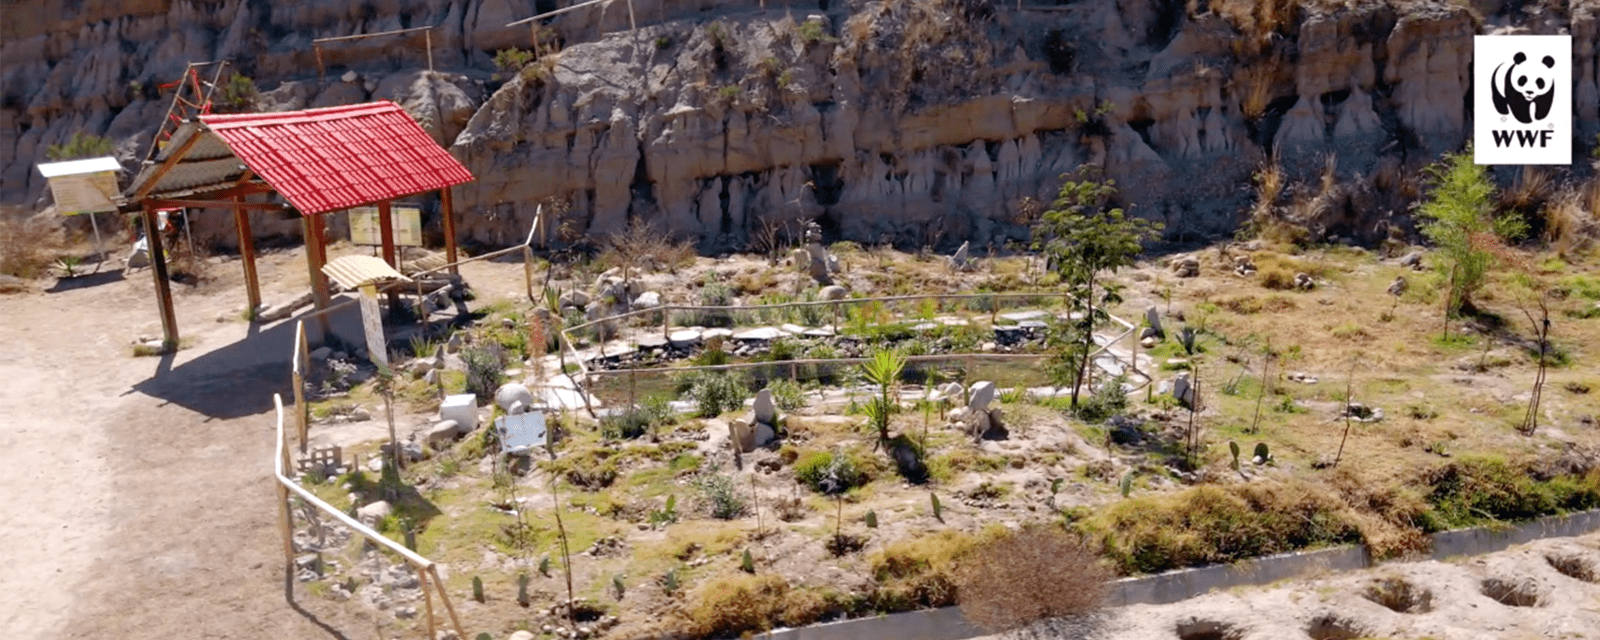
1152	317
766	412
684	338
512	392
1186	267
443	433
647	300
522	635
954	392
1413	260
373	513
833	292
762	435
1398	287
962	260
1183	390
982	395
800	258
576	299
1304	281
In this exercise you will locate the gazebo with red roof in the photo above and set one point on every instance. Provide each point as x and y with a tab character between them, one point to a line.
318	160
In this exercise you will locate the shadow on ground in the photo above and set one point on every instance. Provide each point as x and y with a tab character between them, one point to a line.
239	379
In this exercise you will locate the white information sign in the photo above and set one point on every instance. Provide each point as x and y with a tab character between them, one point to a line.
372	324
407	221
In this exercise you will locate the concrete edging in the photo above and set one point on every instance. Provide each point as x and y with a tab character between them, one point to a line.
1176	586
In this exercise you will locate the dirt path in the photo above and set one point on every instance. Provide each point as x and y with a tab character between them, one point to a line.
139	495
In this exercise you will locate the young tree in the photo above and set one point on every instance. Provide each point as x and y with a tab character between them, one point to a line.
1459	217
1083	236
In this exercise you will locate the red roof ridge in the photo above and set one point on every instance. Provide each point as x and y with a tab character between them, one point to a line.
236	120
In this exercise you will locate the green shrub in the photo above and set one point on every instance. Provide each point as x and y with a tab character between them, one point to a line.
829	473
721	496
486	369
787	394
1479	489
1108	401
717	392
1216	524
635	421
80	146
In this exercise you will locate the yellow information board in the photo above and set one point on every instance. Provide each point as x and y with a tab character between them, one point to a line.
407	221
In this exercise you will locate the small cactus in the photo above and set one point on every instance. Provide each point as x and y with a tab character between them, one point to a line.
938	510
522	589
1262	454
872	519
747	564
477	588
1126	485
1233	447
616	583
672	504
544	566
669	582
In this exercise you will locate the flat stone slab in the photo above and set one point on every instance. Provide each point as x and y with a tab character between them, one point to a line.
926	326
792	329
820	332
711	334
651	342
684	338
1033	324
760	334
1019	316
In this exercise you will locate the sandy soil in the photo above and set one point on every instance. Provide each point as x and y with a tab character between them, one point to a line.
1515	594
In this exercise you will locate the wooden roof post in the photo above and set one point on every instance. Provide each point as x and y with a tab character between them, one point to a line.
247	255
316	256
158	269
386	230
446	208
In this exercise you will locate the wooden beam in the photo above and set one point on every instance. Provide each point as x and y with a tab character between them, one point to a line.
386	232
448	210
316	257
216	204
171	161
247	255
557	12
360	36
158	270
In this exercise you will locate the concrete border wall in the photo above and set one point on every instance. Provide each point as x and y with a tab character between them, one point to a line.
1176	586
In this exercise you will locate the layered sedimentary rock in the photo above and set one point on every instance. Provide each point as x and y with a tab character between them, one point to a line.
919	122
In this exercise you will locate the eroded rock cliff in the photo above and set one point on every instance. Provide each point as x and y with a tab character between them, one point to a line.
918	122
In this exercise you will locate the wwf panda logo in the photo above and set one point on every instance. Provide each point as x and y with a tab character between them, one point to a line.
1523	89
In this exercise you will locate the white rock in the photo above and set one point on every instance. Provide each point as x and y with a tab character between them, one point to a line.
982	395
512	392
766	411
684	338
443	433
525	635
371	514
833	292
647	300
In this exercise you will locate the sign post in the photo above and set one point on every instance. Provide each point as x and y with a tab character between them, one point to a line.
84	186
372	324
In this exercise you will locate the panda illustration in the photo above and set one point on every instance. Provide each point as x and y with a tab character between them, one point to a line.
1526	91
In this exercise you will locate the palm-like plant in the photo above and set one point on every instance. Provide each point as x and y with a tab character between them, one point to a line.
883	369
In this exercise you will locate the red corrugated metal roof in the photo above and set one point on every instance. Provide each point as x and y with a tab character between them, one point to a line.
339	157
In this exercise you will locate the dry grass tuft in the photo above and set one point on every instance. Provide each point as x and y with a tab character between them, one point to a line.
26	247
1570	228
644	243
732	604
1033	574
920	572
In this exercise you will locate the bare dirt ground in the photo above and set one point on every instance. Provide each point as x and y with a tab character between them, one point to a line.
141	502
1545	589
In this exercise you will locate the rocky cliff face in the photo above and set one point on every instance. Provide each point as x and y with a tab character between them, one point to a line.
919	122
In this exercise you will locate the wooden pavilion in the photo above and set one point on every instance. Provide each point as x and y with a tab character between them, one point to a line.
318	161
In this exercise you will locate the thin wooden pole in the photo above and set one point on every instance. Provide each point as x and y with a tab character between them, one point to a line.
427	37
427	599
632	26
158	270
527	272
321	71
247	255
444	597
448	210
302	409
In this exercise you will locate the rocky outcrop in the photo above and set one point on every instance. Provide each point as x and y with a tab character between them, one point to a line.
919	122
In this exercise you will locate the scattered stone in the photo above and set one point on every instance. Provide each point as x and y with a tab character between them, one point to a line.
759	334
953	392
512	392
350	76
431	377
962	261
507	323
1304	281
443	433
765	411
1243	265
982	395
1152	317
684	338
652	342
800	259
321	354
1413	260
360	414
1186	267
1398	287
373	513
647	300
575	299
1183	390
833	292
1302	377
528	635
1148	342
